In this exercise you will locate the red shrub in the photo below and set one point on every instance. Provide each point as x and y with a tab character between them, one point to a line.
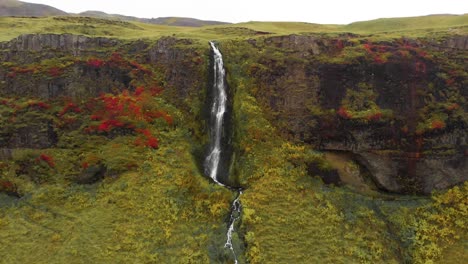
39	104
55	72
375	117
107	125
453	107
155	90
438	124
342	112
48	159
449	82
339	44
139	90
368	47
152	142
140	67
84	165
70	107
95	117
379	60
95	63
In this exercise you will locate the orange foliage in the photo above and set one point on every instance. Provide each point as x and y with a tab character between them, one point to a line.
437	124
343	112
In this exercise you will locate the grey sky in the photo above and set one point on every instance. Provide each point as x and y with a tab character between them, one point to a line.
315	11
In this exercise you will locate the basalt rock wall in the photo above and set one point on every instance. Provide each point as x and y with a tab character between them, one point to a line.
399	106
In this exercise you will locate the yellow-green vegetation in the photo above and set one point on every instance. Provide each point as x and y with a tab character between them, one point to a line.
119	185
11	27
457	24
165	212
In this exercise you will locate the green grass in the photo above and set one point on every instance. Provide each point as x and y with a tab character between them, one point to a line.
432	22
416	26
166	212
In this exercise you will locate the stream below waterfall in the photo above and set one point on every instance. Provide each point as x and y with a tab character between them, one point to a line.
213	159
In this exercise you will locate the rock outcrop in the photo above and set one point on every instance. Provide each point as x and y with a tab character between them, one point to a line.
397	105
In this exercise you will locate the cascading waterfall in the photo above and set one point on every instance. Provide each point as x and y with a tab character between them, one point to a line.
218	109
212	162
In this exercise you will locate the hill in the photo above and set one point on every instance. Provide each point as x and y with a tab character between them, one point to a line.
18	8
14	8
168	21
409	23
11	27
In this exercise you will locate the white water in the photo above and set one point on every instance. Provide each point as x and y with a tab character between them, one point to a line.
212	161
217	112
235	215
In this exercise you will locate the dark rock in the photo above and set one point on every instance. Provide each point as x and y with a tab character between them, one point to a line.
91	175
328	176
456	42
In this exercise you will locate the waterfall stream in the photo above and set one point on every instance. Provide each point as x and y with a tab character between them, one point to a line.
212	162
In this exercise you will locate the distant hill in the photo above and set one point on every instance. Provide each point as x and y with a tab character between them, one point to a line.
409	23
15	8
168	21
18	8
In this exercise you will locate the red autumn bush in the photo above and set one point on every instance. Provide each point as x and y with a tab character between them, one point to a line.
437	124
449	82
55	72
85	165
453	106
69	107
95	63
343	112
131	111
374	117
39	104
47	159
147	139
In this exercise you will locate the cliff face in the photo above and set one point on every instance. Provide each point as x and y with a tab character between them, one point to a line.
398	107
67	67
178	63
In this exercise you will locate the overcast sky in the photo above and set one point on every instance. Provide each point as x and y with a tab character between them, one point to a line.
315	11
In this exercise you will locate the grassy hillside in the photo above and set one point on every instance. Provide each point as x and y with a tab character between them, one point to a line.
18	8
168	21
431	22
417	26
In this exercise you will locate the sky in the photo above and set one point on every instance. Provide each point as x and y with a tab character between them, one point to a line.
313	11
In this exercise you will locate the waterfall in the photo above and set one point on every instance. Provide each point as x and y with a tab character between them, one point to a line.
218	109
212	162
235	215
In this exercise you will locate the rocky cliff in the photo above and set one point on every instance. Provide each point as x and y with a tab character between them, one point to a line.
53	67
398	106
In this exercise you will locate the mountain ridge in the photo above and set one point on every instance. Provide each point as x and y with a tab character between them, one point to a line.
14	8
